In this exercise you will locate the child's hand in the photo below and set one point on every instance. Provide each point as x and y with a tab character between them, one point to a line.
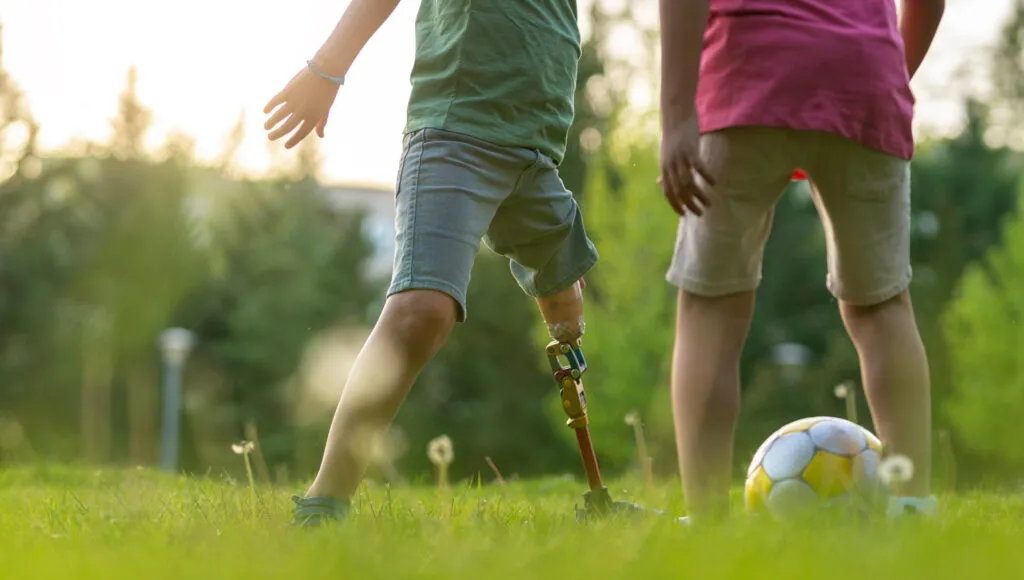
680	167
303	103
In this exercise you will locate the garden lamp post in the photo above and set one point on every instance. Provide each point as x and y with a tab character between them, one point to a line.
175	345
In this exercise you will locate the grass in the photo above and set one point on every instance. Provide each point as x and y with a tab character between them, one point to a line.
66	523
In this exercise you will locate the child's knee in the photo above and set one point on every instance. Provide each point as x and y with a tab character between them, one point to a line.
421	316
868	319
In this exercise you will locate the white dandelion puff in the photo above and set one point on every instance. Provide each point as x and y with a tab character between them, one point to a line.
896	470
632	418
441	454
440	450
841	391
243	447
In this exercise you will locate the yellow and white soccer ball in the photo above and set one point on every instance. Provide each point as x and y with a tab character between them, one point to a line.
813	462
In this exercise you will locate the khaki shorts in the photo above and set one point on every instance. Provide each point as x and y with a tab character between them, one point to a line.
862	196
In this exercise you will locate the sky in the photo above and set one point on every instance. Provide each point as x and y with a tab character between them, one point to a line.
202	63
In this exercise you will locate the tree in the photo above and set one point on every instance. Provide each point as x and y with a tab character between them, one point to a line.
18	129
131	123
983	330
287	268
596	101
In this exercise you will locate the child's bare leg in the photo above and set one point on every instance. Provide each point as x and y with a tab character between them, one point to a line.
710	333
412	328
867	225
894	367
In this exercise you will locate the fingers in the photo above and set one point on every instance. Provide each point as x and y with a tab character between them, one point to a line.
278	116
696	199
686	188
702	170
287	127
682	190
322	125
280	97
299	135
670	189
274	102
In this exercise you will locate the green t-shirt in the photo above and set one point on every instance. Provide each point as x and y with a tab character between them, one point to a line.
499	70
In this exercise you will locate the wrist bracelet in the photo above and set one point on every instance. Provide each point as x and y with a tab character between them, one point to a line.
336	80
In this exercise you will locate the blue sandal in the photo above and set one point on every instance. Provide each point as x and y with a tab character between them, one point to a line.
316	511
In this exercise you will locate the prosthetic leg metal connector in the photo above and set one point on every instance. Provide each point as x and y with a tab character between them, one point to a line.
597	502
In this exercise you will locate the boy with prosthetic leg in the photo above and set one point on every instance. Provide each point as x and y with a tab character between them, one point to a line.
485	134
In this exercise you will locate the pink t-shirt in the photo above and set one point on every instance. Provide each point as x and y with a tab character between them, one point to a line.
825	65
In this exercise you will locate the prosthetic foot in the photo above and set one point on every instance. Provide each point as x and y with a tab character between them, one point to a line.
597	502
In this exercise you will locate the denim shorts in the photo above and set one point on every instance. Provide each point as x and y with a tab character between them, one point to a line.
455	190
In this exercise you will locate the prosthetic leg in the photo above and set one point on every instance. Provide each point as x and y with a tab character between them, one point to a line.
597	502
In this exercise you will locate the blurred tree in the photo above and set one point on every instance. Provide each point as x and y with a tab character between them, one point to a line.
597	101
18	129
131	123
288	268
33	254
140	264
964	190
308	160
1007	75
233	143
983	332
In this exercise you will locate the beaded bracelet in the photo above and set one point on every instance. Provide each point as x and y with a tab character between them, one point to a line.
336	80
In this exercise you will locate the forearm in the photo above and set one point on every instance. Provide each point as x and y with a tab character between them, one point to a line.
358	24
919	19
682	38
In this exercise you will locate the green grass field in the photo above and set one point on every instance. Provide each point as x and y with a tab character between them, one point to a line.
64	523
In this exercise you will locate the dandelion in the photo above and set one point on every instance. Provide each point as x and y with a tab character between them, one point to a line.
895	471
634	421
441	454
845	392
633	418
245	449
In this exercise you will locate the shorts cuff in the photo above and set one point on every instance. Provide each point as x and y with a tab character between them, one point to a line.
869	298
711	289
438	286
561	283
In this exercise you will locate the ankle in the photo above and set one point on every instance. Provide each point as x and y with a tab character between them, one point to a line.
324	489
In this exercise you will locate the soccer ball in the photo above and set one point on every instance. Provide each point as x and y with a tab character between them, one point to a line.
814	462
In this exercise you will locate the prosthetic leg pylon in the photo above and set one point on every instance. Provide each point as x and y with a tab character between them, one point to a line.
597	502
